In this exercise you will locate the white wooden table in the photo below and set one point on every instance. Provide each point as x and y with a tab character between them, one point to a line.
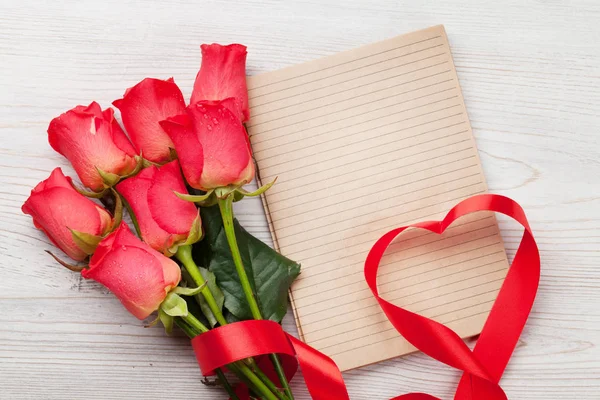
530	73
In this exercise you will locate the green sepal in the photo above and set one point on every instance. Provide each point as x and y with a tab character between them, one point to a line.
118	213
212	200
172	154
195	235
85	241
194	198
258	191
224	192
134	220
138	166
237	196
148	163
108	178
152	323
238	192
166	320
174	305
87	193
185	291
196	232
71	267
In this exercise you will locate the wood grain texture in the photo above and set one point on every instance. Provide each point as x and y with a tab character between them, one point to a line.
530	73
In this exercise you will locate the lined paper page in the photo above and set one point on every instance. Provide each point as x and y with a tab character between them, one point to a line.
362	142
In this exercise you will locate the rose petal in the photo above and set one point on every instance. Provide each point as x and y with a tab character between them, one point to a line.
56	179
190	152
224	139
142	107
172	214
119	136
223	74
135	191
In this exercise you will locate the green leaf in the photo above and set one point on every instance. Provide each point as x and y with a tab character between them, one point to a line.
270	273
211	282
231	318
194	309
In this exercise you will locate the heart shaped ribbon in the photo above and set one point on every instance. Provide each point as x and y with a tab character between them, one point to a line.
482	368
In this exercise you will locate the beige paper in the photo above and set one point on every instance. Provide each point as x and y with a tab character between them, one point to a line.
362	142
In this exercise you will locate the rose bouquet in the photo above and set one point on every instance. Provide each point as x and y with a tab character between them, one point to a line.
176	169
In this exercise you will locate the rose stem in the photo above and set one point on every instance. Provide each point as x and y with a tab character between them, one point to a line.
226	207
191	333
184	254
257	384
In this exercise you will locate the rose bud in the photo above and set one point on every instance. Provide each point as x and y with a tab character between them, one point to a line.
133	271
212	145
142	107
94	143
223	74
71	221
164	220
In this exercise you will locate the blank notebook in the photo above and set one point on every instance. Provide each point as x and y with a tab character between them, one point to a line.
362	142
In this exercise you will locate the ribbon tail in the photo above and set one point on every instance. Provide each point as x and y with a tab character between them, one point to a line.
322	376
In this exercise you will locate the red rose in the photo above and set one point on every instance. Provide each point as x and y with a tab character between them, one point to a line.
91	139
142	107
212	145
223	74
164	220
137	274
57	209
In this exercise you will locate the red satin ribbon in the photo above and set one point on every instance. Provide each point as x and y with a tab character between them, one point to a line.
482	368
230	343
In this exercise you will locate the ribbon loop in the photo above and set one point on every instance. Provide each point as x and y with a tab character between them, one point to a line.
483	367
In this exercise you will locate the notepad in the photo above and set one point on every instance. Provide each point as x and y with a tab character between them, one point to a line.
362	142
